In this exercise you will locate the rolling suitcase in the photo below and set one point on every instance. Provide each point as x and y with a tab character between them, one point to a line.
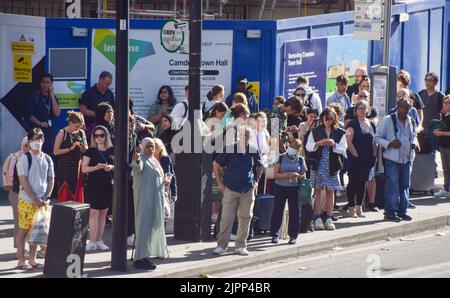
262	211
423	173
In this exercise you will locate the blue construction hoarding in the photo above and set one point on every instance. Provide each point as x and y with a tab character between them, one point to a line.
259	50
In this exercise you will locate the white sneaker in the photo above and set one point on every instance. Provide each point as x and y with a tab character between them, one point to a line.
91	246
442	193
214	218
130	240
219	251
232	237
102	246
241	251
329	225
318	224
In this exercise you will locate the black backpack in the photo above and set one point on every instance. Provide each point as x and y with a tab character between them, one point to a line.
308	103
310	157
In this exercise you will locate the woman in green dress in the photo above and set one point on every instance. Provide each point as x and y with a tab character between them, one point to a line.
149	200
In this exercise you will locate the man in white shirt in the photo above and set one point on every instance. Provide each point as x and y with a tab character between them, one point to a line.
312	99
180	112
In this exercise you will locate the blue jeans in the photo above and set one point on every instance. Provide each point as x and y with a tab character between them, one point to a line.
396	191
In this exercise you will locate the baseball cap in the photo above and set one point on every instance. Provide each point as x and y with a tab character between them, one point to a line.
242	79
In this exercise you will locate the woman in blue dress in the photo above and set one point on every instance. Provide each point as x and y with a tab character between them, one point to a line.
327	142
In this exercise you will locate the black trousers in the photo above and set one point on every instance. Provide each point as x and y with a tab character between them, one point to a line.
283	193
355	189
306	218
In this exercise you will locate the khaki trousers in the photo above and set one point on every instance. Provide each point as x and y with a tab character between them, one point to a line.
242	204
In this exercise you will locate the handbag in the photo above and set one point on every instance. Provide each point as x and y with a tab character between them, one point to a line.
304	191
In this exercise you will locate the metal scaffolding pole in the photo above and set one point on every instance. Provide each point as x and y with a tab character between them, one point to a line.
387	31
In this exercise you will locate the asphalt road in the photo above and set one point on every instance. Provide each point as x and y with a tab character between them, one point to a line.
425	255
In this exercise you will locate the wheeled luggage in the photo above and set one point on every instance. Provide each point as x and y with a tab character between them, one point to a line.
423	173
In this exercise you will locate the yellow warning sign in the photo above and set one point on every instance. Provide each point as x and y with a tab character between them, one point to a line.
22	68
254	88
22	47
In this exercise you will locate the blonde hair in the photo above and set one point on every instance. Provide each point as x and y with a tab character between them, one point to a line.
108	142
240	98
75	117
160	144
337	108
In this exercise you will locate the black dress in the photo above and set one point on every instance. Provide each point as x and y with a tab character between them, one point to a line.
99	185
361	166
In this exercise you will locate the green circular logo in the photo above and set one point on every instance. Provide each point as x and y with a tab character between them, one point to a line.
172	36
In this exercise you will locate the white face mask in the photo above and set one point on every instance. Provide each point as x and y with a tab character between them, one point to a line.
36	145
292	152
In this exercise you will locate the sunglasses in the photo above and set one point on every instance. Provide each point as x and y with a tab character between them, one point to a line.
300	94
102	135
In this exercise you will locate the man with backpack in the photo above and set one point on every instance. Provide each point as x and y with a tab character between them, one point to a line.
36	176
180	111
396	134
242	86
312	99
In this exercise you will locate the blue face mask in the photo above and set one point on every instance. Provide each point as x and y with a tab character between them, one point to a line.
292	152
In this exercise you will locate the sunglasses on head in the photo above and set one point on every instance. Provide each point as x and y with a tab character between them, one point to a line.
102	135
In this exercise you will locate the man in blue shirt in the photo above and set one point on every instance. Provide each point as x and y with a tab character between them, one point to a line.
98	93
251	98
237	184
42	108
340	96
397	136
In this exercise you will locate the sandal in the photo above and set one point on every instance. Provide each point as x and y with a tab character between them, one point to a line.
38	266
24	266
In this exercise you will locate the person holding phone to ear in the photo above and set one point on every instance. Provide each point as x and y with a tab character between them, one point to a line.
42	108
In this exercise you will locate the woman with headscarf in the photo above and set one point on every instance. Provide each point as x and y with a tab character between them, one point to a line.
104	116
149	207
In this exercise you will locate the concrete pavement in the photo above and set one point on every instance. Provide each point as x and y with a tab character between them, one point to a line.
195	259
192	259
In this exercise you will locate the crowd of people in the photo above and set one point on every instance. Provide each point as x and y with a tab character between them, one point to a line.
298	137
